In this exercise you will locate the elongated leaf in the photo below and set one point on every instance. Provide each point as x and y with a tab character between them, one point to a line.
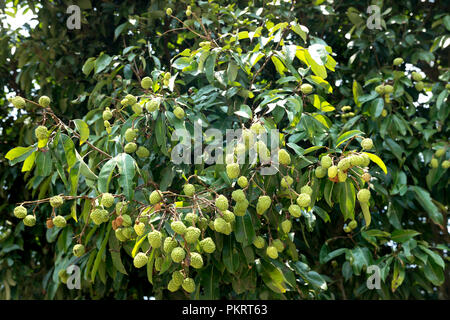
99	256
43	163
114	249
403	235
425	201
83	129
29	162
346	136
378	161
104	177
245	232
137	245
17	152
126	166
347	199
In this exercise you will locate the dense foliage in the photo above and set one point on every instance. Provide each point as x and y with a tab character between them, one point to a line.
314	71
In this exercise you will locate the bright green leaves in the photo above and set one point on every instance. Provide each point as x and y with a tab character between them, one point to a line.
105	175
347	135
126	165
347	198
377	160
83	129
320	103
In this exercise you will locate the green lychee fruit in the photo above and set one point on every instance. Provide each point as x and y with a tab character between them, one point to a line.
29	220
445	164
286	182
228	216
221	203
119	235
107	200
208	245
59	221
439	153
169	245
353	224
240	207
398	61
257	128
152	105
188	285
172	286
220	225
259	242
155	239
44	101
131	99
20	212
320	172
380	89
363	195
146	83
41	133
107	114
263	204
416	76
169	11
191	218
388	89
126	220
332	171
142	152
56	201
286	226
196	260
179	227
304	200
130	134
178	254
192	234
178	112
306	88
272	252
278	244
121	207
295	210
233	170
130	147
78	250
306	189
139	228
177	277
140	260
189	189
283	157
367	144
238	195
326	161
342	176
18	102
344	164
434	163
155	197
242	182
137	108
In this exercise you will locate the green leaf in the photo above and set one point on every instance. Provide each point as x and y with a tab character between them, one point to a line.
245	232
321	104
399	275
126	165
378	161
377	233
347	198
88	66
102	62
99	256
426	202
105	175
346	136
209	66
114	248
150	262
17	152
357	92
137	245
403	235
43	163
83	129
29	162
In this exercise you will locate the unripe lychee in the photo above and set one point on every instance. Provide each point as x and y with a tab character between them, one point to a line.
196	260
416	76
142	152
286	182
344	164
257	128
119	235
139	228
20	212
158	263
366	159
169	245
263	204
353	224
241	207
342	176
221	203
238	195
152	105
242	182
367	144
155	197
130	147
220	225
326	162
179	227
192	234
146	83
178	254
272	252
283	157
155	239
177	278
18	102
172	286
44	101
439	153
63	276
188	12
169	11
56	201
107	200
366	177
247	137
259	242
29	220
304	200
347	229
189	189
398	61
208	245
188	285
278	244
320	172
445	164
295	210
286	226
126	220
228	216
434	163
140	260
59	221
203	223
233	170
41	133
191	218
306	88
388	89
178	112
380	89
131	99
78	250
363	195
239	149
121	207
107	114
137	108
307	190
130	134
332	171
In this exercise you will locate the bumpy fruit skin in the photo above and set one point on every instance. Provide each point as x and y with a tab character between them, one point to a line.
107	114
44	101
353	224
320	172
283	157
242	182
98	216
56	201
142	152
239	149
20	212
445	164
191	218
241	207
278	244
41	133
286	226
434	163
307	190
332	171
304	200
344	164
179	227
366	160
107	200
196	260
326	162
158	263
126	220
155	197
286	182
78	250
188	285
439	153
306	88
272	252
295	210
139	228
363	195
140	260
121	207
178	254
220	225
233	170
146	83
178	112
263	204
169	11
221	203
177	278
416	76
172	286
155	239
59	221
228	216
398	61
388	88
29	220
119	235
189	189
257	128
367	144
366	177
152	105
259	242
169	245
130	147
18	102
238	195
192	234
342	176
130	134
137	108
380	89
208	245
